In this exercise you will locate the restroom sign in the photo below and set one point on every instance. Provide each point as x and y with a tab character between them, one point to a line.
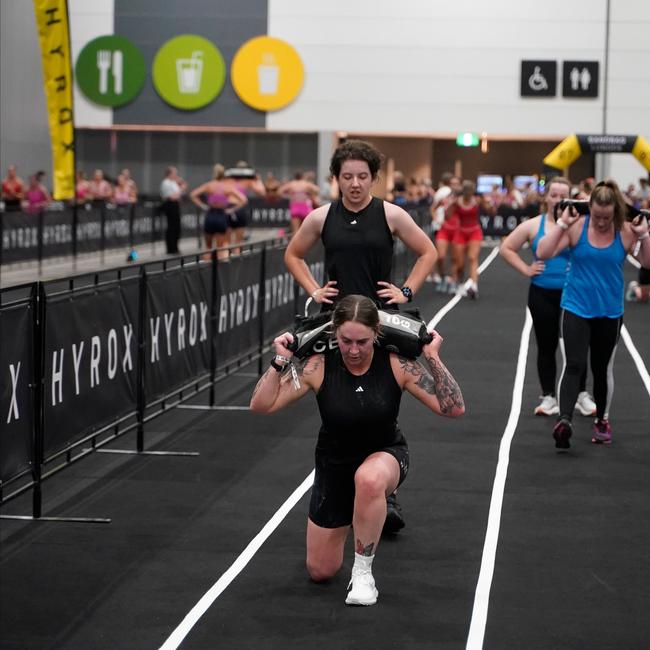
267	73
580	79
538	78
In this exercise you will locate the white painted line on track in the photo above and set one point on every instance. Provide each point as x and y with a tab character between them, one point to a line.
177	636
636	357
482	595
183	629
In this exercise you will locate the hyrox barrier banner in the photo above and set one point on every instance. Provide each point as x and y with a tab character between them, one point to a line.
177	328
54	37
90	361
237	308
16	397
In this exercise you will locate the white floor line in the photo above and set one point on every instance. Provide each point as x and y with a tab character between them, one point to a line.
457	298
636	357
482	595
177	636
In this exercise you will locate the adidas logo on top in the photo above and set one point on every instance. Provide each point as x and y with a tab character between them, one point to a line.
359	390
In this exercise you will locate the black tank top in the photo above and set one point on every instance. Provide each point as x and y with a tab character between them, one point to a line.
359	414
358	248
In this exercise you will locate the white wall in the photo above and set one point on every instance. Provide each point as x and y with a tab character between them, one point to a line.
427	66
88	20
24	131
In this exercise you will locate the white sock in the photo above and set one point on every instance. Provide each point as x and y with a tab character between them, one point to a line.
363	562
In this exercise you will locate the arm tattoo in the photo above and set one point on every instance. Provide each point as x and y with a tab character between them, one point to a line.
445	386
366	551
436	381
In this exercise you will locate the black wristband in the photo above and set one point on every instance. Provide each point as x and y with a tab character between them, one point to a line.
277	366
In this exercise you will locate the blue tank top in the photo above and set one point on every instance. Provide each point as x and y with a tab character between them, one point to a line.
594	287
555	269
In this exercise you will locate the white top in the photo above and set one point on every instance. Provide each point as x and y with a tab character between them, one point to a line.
169	188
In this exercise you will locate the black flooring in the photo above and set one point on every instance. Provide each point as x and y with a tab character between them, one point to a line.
573	557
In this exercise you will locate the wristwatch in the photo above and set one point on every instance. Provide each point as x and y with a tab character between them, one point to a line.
407	292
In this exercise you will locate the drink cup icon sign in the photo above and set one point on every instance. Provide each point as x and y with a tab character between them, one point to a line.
188	73
268	75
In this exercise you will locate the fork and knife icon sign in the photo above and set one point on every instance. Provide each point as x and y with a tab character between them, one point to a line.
113	61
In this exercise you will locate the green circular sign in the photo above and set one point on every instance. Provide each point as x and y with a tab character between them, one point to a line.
188	72
110	70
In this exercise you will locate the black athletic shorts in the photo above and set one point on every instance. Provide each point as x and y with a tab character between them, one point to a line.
644	276
332	496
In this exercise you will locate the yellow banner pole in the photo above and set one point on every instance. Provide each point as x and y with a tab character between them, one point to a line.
54	36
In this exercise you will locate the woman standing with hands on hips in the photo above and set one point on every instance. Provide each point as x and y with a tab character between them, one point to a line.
592	300
544	295
361	453
357	232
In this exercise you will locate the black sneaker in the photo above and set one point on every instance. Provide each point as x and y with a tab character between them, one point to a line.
562	432
394	518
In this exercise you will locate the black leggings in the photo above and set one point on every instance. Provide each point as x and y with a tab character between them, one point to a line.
582	337
172	210
544	305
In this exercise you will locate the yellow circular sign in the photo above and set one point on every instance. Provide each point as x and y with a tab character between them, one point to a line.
267	73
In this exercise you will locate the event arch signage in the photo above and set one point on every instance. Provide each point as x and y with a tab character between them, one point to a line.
573	146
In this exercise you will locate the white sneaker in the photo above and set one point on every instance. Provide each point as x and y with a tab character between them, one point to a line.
548	406
362	590
585	404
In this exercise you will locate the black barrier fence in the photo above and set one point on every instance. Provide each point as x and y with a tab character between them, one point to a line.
98	226
89	358
86	359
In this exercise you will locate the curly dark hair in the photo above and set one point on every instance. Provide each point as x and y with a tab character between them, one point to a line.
356	150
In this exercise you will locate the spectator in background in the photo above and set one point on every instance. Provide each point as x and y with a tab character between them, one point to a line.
251	188
37	197
13	189
301	194
644	191
512	197
130	183
398	194
100	188
82	188
124	192
218	197
171	191
272	185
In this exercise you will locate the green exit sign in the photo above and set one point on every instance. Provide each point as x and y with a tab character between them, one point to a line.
467	140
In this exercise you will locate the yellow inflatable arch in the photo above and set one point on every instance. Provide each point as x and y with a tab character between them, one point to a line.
573	146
